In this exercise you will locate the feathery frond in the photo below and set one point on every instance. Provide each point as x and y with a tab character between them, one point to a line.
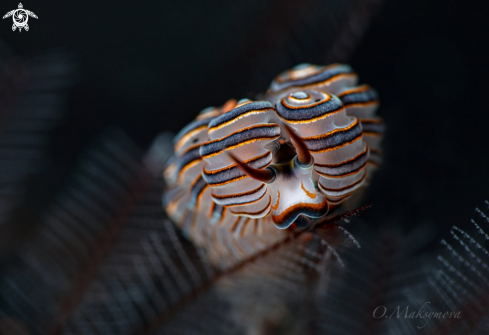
45	277
31	103
461	276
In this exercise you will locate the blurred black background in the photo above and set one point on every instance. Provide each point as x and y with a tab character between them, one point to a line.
152	66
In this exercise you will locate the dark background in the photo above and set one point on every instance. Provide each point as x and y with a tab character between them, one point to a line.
152	66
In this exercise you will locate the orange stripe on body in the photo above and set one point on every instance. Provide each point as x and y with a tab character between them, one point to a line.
313	119
261	211
255	111
344	162
332	132
184	138
278	201
309	194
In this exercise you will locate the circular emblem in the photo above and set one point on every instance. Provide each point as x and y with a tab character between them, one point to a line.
20	17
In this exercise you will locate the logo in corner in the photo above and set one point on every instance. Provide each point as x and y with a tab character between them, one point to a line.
20	17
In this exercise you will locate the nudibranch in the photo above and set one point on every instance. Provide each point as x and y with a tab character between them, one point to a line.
244	173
